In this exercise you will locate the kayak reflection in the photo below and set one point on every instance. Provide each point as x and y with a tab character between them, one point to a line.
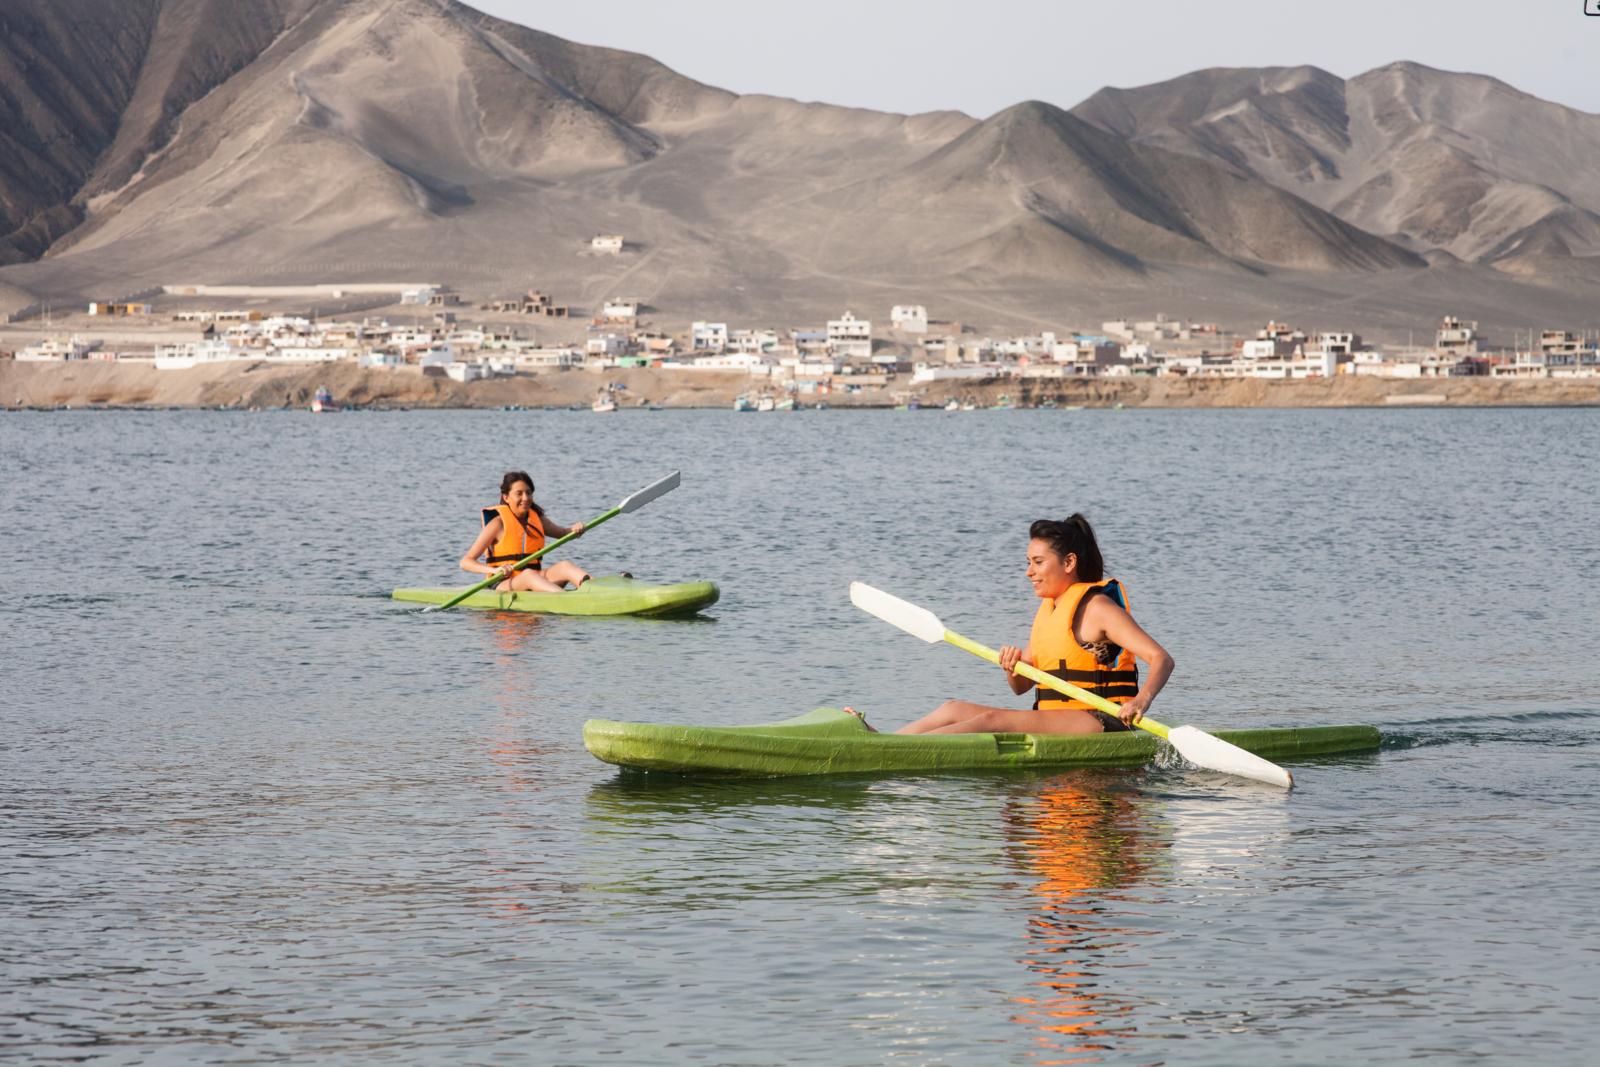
513	631
1083	836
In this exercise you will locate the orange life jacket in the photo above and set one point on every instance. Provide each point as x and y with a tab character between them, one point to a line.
1056	651
516	538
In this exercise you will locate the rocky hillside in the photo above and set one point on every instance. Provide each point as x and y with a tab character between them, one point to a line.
1450	163
271	141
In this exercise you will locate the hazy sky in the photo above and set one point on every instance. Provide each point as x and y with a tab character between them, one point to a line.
983	55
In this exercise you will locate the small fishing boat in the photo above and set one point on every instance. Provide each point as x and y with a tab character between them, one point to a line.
742	403
832	741
322	401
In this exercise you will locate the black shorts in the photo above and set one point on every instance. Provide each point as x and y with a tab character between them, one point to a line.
1108	722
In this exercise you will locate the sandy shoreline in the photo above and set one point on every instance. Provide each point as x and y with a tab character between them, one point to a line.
265	385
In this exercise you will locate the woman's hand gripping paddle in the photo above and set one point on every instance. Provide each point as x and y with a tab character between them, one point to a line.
632	503
1192	743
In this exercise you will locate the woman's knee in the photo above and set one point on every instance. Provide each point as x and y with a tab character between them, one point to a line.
986	721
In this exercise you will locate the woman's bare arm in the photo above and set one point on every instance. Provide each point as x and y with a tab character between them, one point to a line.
554	530
1106	620
489	535
1010	656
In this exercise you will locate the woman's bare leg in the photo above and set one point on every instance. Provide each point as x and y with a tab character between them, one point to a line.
1021	721
951	711
528	581
566	571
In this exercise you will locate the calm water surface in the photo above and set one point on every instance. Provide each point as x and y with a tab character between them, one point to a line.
251	810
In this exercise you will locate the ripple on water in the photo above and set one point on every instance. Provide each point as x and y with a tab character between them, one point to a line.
252	810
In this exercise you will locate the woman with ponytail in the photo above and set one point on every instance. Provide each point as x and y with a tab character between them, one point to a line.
1082	633
517	527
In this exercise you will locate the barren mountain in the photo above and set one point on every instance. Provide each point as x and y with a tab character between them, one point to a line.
1459	163
272	141
1035	188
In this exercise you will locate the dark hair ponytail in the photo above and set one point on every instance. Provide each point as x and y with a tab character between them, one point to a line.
1072	536
512	478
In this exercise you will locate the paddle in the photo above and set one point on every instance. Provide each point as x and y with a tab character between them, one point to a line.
632	503
1192	743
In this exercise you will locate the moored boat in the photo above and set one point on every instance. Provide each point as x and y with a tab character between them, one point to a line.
831	741
611	595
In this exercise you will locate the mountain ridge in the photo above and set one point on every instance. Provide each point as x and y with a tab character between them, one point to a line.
330	139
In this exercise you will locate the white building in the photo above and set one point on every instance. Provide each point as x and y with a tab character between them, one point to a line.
55	349
620	310
194	353
1268	348
468	372
1317	365
1087	356
1456	337
307	353
964	372
766	340
609	244
437	356
708	336
1157	329
606	344
1343	345
409	340
748	362
912	318
850	337
556	358
467	337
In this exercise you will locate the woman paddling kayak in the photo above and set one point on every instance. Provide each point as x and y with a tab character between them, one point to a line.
1082	633
515	528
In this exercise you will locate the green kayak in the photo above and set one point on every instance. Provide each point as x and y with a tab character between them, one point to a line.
611	595
830	741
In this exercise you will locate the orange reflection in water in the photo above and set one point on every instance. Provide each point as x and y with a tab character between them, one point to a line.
513	755
1080	842
510	875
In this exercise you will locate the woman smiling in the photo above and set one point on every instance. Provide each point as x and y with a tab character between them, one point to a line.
1082	634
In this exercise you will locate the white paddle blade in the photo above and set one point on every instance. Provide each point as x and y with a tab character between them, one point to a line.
1213	753
649	493
918	622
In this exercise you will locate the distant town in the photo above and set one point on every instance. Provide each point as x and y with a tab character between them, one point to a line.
847	354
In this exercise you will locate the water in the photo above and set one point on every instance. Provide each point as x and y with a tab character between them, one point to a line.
251	810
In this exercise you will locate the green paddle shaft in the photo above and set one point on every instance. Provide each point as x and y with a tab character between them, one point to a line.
1051	681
